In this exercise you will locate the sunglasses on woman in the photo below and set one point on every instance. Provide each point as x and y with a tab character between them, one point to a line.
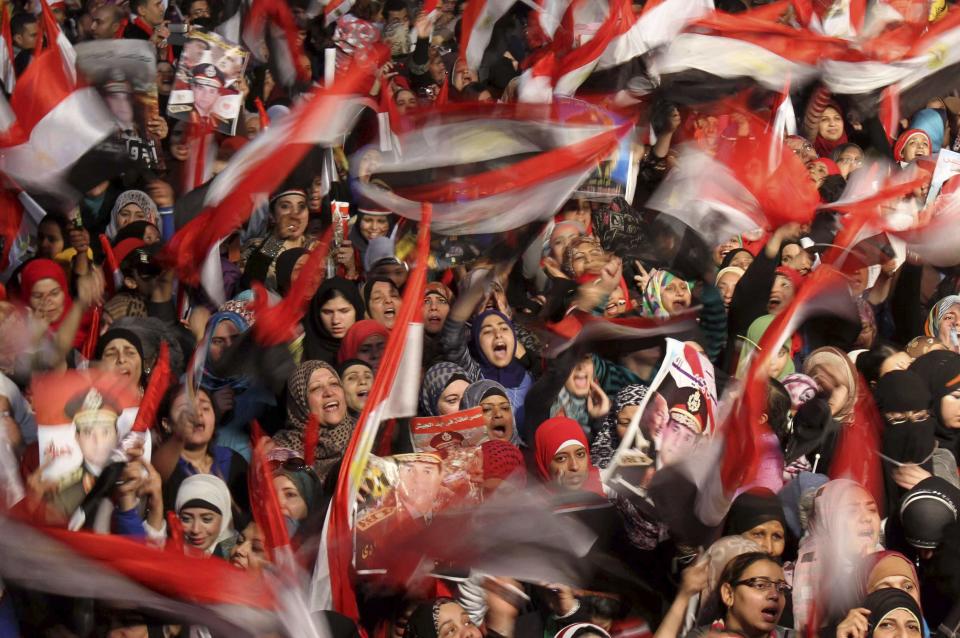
293	464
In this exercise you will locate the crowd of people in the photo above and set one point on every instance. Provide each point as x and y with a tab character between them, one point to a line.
847	527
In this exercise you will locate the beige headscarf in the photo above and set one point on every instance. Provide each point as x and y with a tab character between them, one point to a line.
838	367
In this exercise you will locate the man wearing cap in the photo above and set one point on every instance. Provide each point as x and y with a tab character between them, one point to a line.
116	93
95	419
414	500
206	82
685	427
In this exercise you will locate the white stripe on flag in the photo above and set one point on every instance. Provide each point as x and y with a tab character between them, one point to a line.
72	128
655	28
492	11
211	276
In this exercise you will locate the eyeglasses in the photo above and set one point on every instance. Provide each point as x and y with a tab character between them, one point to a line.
764	585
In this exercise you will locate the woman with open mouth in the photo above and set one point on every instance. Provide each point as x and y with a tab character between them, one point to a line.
314	391
288	229
753	594
357	376
497	411
382	300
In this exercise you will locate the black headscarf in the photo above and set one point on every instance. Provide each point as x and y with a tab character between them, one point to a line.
284	268
318	344
728	258
756	507
927	509
883	601
937	368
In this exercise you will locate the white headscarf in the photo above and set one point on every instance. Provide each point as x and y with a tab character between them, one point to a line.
213	491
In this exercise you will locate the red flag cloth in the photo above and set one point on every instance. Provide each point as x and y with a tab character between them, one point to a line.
90	343
110	260
311	436
390	397
264	502
175	528
856	455
262	112
146	28
157	387
277	324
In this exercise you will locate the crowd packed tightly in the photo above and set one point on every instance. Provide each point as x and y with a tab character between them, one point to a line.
583	319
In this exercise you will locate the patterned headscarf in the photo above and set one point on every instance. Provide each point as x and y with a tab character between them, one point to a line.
932	327
424	622
332	441
607	441
652	299
139	198
435	381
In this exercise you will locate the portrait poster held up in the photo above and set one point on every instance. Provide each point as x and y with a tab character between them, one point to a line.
405	491
124	72
206	87
82	416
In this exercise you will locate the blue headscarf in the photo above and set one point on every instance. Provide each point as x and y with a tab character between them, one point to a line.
212	382
930	122
510	376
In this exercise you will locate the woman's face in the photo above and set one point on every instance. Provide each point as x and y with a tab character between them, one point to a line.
454	622
47	300
770	536
948	325
950	410
578	383
129	214
781	294
849	160
901	577
195	419
449	401
49	240
570	466
831	124
754	605
861	520
222	338
497	341
371	350
498	417
624	416
121	357
899	623
559	241
179	146
357	381
588	257
250	552
435	311
325	397
916	146
742	259
200	526
384	303
778	363
726	285
616	304
373	226
794	256
292	504
406	101
337	316
290	216
828	382
151	235
897	361
675	296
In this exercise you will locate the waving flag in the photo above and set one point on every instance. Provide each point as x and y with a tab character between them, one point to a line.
270	28
394	395
7	75
494	169
476	27
53	34
18	229
58	123
262	165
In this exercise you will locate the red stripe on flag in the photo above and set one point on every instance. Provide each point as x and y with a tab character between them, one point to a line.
263	498
340	547
157	386
40	89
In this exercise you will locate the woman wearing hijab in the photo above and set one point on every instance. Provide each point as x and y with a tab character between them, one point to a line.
301	499
442	617
365	340
492	398
567	388
188	449
739	257
835	375
885	613
442	388
615	424
131	206
44	290
562	457
943	322
665	294
925	513
911	144
120	351
204	509
823	124
780	366
940	370
382	300
371	222
288	228
288	267
357	377
315	390
334	309
727	279
757	515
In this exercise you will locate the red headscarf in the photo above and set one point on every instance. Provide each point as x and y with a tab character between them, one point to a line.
825	147
356	335
829	164
552	436
38	269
